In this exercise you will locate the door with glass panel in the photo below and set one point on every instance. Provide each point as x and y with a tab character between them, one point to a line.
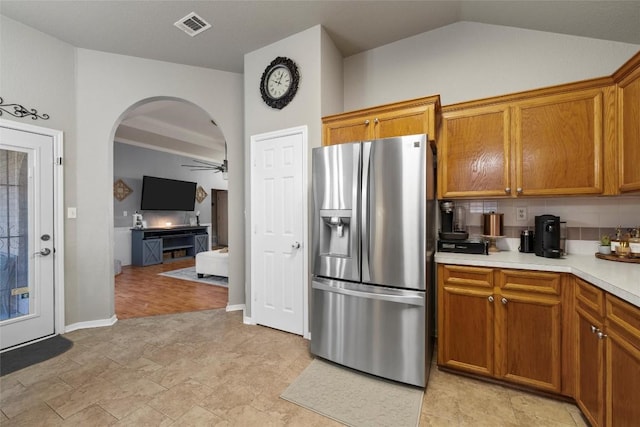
26	237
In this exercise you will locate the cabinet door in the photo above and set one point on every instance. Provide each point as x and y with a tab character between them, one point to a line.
558	144
528	329
629	132
590	368
465	319
474	152
358	128
622	364
151	251
200	243
408	121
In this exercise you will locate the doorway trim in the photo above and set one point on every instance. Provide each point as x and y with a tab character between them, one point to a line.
304	132
58	218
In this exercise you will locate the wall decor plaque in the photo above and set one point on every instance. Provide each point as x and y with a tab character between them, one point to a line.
121	190
200	194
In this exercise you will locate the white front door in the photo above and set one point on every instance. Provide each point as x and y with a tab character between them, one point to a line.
26	236
279	224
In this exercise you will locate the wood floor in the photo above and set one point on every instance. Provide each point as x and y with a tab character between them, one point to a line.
141	292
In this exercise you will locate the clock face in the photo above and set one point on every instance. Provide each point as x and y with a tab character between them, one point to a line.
279	82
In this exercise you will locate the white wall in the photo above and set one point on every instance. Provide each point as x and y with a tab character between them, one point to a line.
38	71
107	86
315	56
466	61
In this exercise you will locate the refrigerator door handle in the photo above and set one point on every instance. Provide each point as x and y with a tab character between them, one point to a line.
364	222
403	299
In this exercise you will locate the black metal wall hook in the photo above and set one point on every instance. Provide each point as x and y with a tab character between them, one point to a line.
20	111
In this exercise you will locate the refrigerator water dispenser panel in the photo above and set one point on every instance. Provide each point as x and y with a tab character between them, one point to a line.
335	235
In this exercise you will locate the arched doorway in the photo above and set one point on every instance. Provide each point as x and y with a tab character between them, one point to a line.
164	138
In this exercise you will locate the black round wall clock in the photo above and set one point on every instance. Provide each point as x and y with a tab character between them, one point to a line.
279	82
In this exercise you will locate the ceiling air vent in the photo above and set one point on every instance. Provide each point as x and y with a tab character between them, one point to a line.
192	24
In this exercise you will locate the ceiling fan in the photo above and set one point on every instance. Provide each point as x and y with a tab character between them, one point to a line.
202	165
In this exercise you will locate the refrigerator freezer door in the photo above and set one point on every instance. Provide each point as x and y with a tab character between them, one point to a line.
336	213
394	212
373	329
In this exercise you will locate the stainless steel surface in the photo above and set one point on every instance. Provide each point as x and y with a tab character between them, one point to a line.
374	208
336	231
371	328
394	212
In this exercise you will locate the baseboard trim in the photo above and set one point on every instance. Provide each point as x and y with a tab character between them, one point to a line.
91	324
236	307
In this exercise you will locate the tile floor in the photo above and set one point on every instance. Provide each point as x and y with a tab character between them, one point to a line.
207	368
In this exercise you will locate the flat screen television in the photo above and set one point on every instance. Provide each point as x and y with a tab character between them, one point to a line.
162	194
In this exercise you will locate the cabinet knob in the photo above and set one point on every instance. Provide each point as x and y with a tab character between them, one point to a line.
366	122
490	298
507	190
519	190
376	121
601	335
504	301
594	329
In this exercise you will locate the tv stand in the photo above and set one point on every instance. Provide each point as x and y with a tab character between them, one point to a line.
151	246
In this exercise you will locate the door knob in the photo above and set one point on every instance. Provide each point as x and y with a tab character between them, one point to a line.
43	252
295	245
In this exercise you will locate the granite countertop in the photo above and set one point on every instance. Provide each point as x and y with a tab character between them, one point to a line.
618	278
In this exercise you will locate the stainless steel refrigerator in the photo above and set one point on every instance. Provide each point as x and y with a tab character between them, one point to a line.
373	246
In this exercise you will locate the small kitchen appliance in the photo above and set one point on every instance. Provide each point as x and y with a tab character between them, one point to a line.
547	241
453	225
527	240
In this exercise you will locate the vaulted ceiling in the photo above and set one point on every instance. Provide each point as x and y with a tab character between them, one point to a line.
145	29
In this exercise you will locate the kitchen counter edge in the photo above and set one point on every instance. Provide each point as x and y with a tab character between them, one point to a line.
617	278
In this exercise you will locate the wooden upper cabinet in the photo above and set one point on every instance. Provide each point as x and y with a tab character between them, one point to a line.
398	119
538	143
559	144
475	145
628	92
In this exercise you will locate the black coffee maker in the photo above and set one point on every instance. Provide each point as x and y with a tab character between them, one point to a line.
547	241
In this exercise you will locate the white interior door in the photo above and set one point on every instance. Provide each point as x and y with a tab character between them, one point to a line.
279	224
26	236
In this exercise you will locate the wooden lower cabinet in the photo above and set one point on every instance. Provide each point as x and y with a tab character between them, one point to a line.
608	358
504	324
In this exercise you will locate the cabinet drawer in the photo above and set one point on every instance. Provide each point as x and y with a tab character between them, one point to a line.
467	276
624	318
589	298
530	282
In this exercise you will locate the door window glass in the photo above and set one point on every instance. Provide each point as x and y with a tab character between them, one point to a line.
14	217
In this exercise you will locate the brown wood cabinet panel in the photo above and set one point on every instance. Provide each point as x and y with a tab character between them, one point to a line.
589	362
529	328
410	117
629	132
622	367
348	130
465	319
559	144
475	147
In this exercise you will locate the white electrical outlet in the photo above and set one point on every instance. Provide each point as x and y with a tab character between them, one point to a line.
521	214
72	213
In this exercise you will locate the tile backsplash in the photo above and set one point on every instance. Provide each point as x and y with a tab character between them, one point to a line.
587	217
